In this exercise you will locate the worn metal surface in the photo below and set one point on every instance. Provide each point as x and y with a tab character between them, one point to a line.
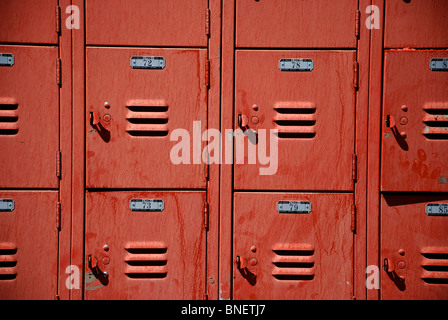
148	255
276	24
415	123
313	111
29	118
112	122
132	113
28	21
416	247
143	23
292	255
29	246
416	24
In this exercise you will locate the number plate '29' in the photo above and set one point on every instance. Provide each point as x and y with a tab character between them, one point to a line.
294	207
147	63
147	205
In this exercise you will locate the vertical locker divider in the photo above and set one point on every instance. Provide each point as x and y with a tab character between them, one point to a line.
78	149
361	151
226	173
374	146
213	184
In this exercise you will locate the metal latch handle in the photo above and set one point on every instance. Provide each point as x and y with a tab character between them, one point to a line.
241	263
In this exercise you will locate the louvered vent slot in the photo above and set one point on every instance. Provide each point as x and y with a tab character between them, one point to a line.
8	262
147	118
436	122
293	262
435	266
295	120
146	261
8	117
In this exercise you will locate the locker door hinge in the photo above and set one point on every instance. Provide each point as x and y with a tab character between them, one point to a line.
206	215
58	71
207	73
58	164
354	167
58	19
353	224
355	74
58	215
207	22
357	23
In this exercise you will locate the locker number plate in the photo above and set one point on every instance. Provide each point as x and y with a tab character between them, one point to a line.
438	64
6	205
437	209
147	205
6	60
294	207
296	65
147	62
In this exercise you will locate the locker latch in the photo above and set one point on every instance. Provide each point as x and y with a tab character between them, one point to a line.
93	265
95	122
390	121
389	267
241	263
243	124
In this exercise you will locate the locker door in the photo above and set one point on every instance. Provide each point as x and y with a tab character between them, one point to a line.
28	21
313	109
145	245
28	245
292	246
414	247
146	23
415	114
133	110
29	117
416	24
294	24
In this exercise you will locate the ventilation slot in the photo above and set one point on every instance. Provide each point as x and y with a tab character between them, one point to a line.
293	262
436	122
8	262
146	261
295	120
147	118
435	266
8	117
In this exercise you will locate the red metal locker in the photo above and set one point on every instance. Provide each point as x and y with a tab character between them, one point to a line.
415	121
136	99
29	21
416	24
147	23
29	117
414	247
313	110
28	245
296	24
150	244
292	246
